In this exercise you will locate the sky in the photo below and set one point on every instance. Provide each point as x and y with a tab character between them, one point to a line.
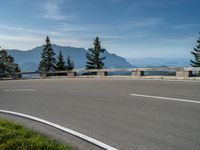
129	28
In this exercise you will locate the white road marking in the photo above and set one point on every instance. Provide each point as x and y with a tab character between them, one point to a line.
5	90
167	98
170	80
19	90
72	132
23	90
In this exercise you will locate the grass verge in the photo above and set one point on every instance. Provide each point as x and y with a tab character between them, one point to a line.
16	137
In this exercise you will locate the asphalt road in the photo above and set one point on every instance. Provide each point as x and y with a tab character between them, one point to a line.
105	110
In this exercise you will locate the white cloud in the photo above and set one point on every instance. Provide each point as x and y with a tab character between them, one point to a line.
184	26
73	28
112	37
25	42
20	30
146	22
20	42
19	37
181	40
52	11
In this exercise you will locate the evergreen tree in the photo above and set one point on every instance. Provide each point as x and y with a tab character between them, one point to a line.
3	61
7	63
60	62
48	60
196	54
69	64
94	59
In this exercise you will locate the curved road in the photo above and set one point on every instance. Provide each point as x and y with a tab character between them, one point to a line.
126	114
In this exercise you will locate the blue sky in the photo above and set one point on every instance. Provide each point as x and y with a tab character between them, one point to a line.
130	28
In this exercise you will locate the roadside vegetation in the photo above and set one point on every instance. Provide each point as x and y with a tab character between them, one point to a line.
196	53
51	63
7	64
16	137
94	58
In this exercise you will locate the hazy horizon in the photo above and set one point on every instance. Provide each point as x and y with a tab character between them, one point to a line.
128	58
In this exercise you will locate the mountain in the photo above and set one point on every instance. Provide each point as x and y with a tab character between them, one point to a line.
159	62
29	60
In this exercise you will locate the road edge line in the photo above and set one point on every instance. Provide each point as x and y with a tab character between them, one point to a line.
166	98
72	132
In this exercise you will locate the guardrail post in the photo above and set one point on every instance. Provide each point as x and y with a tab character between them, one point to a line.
43	75
16	76
183	73
102	73
138	73
71	74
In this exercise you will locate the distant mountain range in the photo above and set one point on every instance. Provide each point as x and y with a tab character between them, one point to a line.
159	62
29	60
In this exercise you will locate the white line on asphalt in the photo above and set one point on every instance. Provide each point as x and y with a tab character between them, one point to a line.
166	98
23	90
72	132
5	90
170	80
19	90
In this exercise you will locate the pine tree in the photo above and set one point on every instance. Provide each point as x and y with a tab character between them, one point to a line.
7	63
69	64
95	61
3	61
48	60
60	62
196	54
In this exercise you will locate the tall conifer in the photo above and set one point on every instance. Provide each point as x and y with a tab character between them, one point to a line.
196	54
60	62
48	60
69	64
94	59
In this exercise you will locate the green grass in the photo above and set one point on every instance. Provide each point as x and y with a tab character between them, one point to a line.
16	137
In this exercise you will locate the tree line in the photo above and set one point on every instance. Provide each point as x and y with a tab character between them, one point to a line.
50	62
7	64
